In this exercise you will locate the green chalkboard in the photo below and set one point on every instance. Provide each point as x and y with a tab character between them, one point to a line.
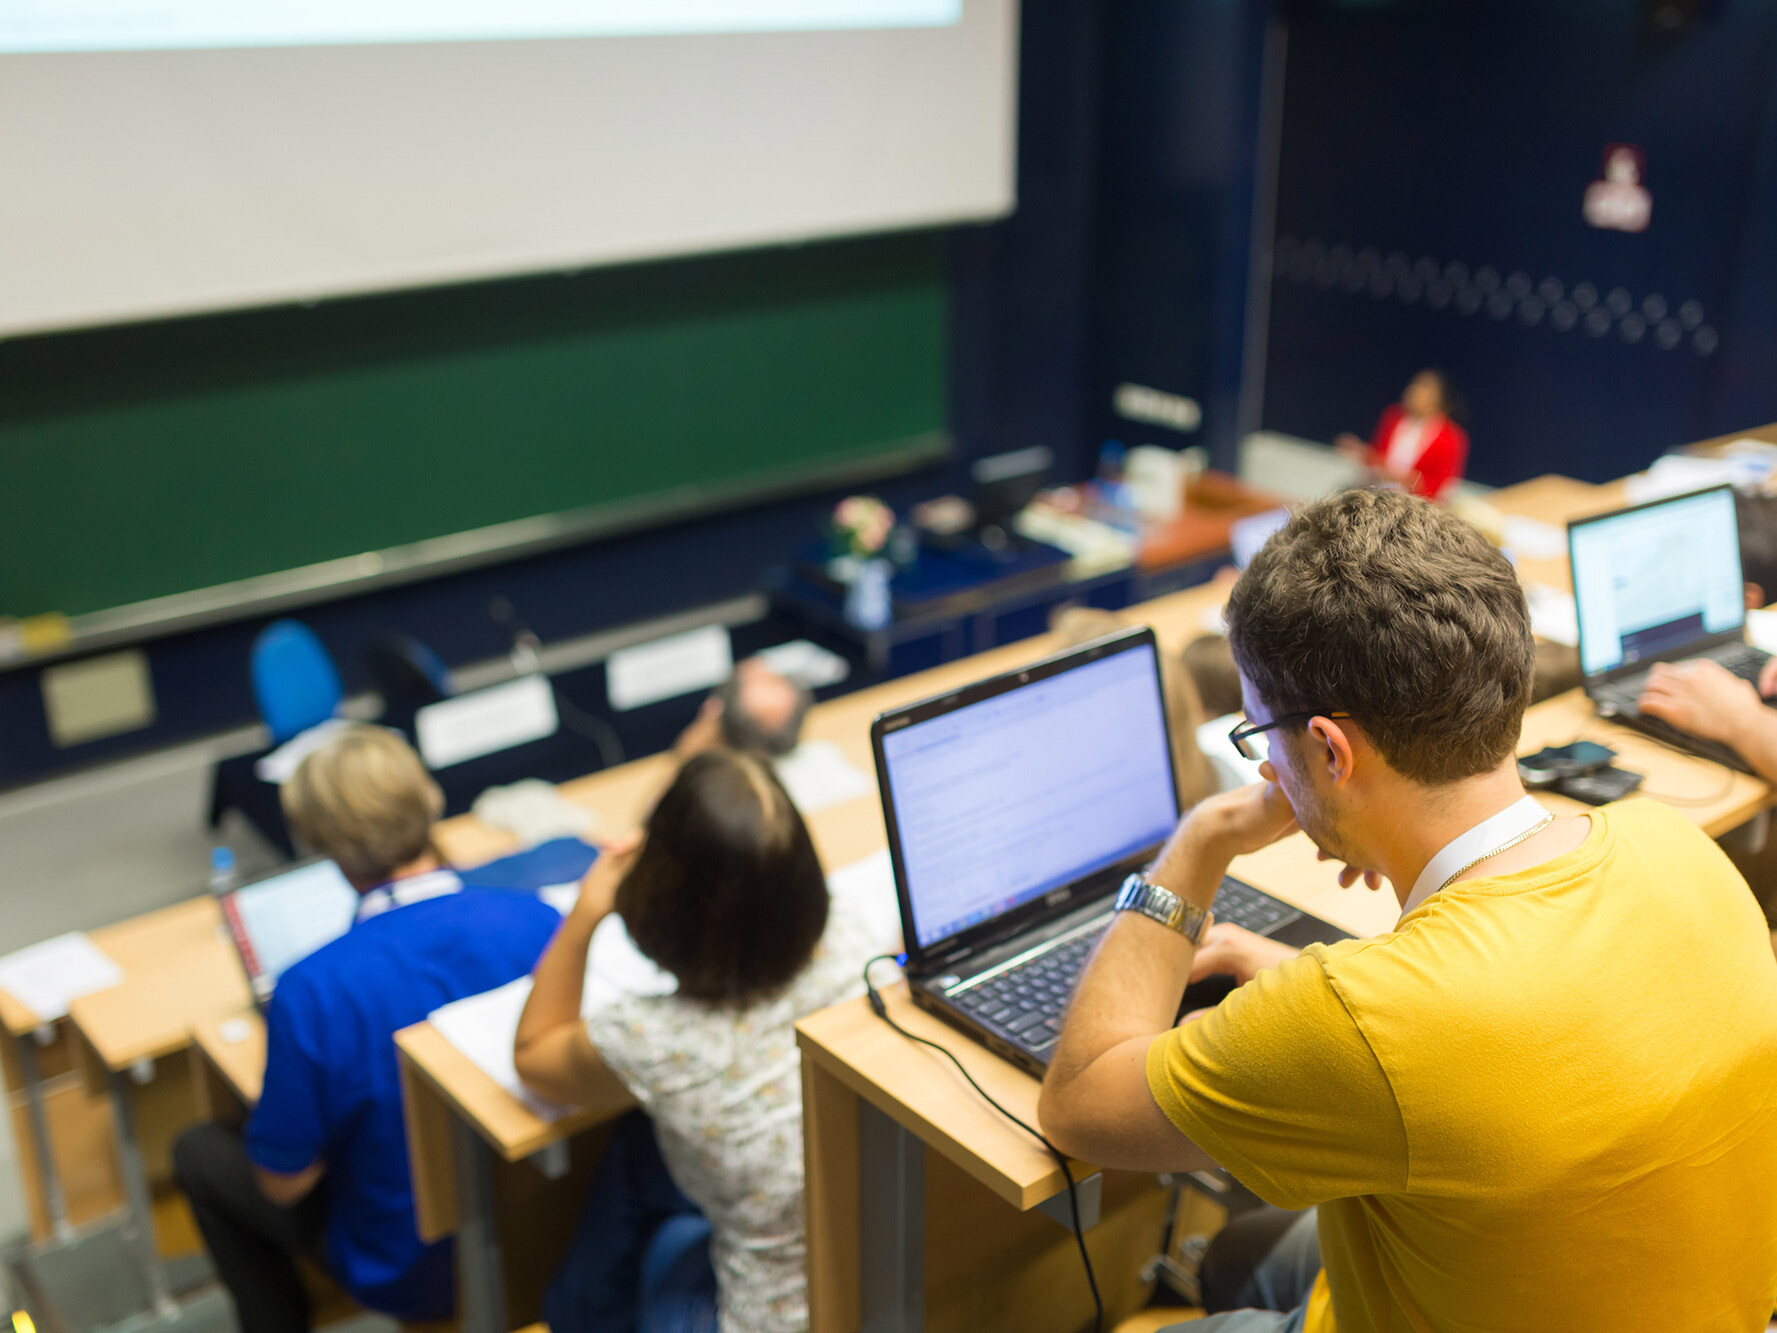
157	459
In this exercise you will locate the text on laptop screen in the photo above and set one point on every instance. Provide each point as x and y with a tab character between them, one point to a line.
1001	801
278	922
1655	579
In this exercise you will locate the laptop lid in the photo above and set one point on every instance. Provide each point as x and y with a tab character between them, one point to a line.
279	919
1656	582
1013	800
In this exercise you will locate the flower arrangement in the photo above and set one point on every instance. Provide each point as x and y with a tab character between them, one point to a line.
861	526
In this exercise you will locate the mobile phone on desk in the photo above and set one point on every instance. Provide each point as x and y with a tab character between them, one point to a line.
1552	763
1599	788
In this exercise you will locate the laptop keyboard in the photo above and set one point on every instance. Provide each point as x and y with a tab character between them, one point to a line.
1743	660
1027	1001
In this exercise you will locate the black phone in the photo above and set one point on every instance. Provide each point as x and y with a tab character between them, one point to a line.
1554	762
1599	788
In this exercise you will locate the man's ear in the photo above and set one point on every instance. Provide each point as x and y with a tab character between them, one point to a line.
1331	745
1755	597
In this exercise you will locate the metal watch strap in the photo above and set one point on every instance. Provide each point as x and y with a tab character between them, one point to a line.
1140	894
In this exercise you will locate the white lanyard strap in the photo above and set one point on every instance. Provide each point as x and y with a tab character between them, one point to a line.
1490	837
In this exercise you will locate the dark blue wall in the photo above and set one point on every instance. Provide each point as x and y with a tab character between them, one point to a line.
1434	160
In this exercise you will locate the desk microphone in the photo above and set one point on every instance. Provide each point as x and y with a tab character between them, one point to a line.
526	655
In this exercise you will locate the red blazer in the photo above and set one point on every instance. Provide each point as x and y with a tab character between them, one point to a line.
1442	452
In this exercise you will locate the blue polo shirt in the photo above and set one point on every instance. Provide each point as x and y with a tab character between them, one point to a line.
332	1090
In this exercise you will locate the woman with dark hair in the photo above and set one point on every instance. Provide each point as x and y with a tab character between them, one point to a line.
725	892
1418	445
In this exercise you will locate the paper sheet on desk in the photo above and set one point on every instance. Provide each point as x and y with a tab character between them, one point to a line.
817	775
1761	630
1552	614
1677	474
47	977
1532	539
483	1027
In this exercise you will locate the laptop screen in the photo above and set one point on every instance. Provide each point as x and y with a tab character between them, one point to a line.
278	921
1649	581
1001	801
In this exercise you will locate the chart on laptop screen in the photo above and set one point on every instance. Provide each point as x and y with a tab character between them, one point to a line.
1655	579
1002	801
278	922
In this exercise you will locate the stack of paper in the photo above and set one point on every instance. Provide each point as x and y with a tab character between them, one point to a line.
47	977
817	775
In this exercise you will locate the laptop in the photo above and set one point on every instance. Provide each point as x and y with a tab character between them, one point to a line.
1660	582
1015	807
279	919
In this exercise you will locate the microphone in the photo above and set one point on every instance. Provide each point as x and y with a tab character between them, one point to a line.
526	646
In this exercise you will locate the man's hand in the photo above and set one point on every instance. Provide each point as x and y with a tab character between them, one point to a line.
1767	679
1703	698
1234	951
1216	830
1350	874
704	733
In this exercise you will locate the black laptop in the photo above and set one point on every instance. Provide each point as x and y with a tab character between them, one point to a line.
1660	582
1015	808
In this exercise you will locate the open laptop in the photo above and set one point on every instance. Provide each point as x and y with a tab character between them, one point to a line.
1015	808
279	919
1660	582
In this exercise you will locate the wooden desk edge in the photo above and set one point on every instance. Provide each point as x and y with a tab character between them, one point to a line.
1022	1196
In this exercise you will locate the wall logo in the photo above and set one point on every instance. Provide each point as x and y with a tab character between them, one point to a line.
1620	202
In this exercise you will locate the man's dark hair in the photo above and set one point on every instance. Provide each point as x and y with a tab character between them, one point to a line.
1756	517
727	893
1386	607
741	730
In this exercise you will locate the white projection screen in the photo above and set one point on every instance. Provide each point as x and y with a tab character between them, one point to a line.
166	157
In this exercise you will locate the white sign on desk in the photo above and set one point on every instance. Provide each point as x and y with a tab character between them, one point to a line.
486	721
698	659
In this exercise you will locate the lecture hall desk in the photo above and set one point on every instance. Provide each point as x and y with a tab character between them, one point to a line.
180	973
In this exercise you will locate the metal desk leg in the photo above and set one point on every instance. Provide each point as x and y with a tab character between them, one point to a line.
891	1224
139	1226
481	1266
55	1200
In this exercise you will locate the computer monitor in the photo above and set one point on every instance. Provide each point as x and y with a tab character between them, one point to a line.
280	919
1658	580
1030	796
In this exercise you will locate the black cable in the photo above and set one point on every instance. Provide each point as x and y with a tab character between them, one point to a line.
1073	1197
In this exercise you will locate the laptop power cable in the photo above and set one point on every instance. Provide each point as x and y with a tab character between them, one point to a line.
880	1008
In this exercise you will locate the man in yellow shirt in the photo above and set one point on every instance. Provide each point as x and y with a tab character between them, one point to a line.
1547	1100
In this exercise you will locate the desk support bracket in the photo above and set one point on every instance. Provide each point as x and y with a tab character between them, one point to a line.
139	1225
481	1263
1090	1190
55	1199
891	1224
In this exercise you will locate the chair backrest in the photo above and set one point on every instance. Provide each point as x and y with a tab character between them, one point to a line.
294	680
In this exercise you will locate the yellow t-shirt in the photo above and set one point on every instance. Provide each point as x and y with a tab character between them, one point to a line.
1546	1101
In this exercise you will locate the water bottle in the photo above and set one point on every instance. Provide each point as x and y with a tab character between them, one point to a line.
223	874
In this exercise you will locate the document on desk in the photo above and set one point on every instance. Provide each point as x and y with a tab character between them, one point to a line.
484	1027
1552	614
868	888
47	977
1532	539
817	775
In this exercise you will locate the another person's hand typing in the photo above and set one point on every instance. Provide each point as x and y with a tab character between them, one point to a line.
1234	951
1707	700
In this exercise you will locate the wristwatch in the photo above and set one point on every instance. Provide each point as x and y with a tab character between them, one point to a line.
1140	894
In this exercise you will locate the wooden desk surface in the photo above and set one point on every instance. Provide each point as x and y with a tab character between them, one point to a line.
234	1046
179	970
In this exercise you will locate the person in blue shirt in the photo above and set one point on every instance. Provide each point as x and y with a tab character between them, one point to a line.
321	1168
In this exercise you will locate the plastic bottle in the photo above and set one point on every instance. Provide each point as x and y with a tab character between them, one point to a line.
223	874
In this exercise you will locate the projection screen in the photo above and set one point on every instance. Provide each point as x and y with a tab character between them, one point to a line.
165	157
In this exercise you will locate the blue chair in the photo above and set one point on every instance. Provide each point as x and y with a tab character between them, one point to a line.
294	680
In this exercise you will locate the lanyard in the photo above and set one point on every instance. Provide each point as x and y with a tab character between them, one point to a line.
1490	837
395	893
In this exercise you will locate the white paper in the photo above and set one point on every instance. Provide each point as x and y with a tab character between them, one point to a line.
280	765
1677	474
806	664
1552	614
534	812
867	887
1761	630
486	721
817	775
666	668
46	977
485	1027
1532	539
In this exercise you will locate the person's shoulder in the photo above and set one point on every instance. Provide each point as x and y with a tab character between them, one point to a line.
474	909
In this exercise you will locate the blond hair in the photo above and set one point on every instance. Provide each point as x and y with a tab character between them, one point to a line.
365	800
1194	775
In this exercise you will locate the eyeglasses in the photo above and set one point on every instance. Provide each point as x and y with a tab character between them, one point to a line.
1242	735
